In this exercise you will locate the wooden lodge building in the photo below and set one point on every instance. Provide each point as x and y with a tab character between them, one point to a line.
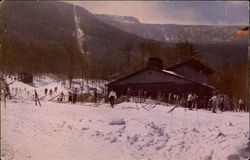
187	77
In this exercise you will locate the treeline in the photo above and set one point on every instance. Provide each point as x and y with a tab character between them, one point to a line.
66	61
65	58
231	79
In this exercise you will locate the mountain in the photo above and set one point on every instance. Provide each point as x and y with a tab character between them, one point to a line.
40	27
114	18
175	33
46	23
216	43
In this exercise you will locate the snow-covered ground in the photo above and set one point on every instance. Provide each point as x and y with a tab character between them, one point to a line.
130	131
57	131
23	91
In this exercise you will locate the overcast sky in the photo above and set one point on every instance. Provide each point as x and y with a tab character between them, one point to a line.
165	12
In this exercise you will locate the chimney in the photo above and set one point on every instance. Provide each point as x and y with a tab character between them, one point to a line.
155	63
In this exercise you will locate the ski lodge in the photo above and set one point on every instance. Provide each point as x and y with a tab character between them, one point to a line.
187	77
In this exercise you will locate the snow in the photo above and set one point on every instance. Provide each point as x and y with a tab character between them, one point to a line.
207	85
79	32
130	131
83	131
171	72
117	122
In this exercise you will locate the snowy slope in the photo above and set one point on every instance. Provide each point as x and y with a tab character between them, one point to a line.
23	91
84	131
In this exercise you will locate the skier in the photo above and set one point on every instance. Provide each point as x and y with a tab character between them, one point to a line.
95	96
55	89
221	103
128	93
70	97
170	98
112	97
241	105
45	91
195	101
37	98
7	91
62	97
140	94
214	101
50	92
189	101
74	96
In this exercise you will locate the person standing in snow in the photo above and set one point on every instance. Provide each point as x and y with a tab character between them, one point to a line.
128	92
7	91
70	97
95	96
214	101
45	91
55	89
62	96
37	101
74	98
189	101
221	103
241	105
170	98
112	97
50	92
140	94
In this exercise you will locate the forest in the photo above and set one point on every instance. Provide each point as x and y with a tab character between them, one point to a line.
66	62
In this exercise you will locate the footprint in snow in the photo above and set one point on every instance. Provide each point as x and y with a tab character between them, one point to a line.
84	128
221	135
113	140
195	130
70	127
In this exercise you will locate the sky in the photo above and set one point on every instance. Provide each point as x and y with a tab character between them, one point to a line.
174	12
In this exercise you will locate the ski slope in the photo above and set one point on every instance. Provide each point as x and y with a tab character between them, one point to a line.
57	131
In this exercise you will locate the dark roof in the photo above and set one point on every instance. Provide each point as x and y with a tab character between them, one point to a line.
161	71
130	75
194	64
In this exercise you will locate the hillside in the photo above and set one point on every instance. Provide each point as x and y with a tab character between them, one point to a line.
219	44
35	34
53	22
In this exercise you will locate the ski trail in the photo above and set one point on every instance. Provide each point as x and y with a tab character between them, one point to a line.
79	31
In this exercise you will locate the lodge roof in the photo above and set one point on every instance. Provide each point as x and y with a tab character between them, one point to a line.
161	71
194	64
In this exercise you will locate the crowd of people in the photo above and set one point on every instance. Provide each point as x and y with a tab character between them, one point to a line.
191	101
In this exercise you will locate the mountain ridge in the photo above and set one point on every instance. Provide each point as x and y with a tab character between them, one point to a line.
51	23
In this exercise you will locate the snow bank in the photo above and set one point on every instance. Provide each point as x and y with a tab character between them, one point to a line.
82	131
